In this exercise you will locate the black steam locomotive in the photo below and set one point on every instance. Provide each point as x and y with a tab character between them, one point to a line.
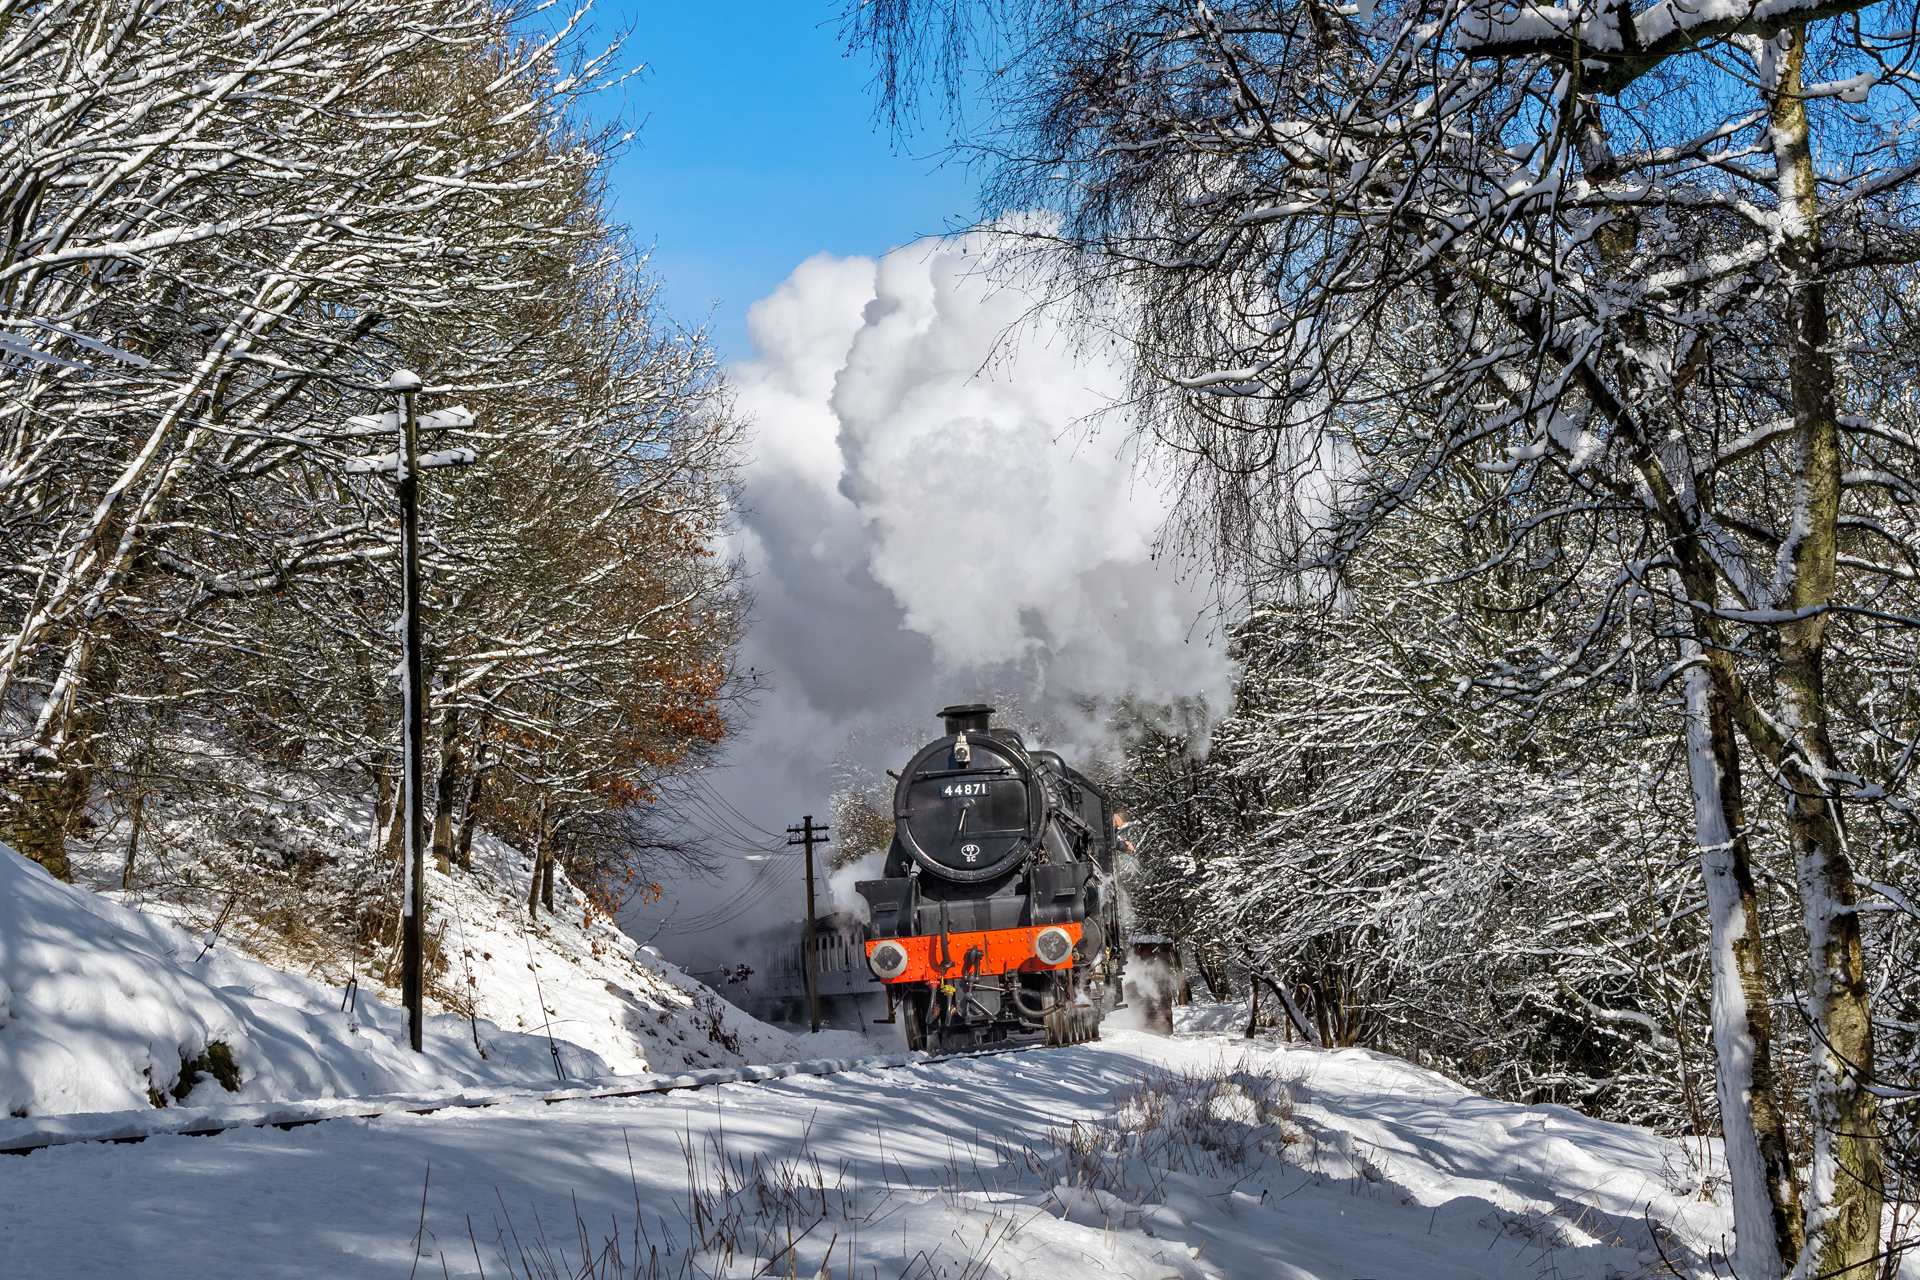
999	913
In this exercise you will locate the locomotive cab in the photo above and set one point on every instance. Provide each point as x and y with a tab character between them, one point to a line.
997	902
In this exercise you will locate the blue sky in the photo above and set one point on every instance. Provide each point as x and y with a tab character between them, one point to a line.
758	149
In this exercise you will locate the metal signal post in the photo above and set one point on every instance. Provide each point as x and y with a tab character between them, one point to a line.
809	835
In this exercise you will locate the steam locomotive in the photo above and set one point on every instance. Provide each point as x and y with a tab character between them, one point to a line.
998	916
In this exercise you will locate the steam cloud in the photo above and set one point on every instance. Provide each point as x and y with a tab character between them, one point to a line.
932	513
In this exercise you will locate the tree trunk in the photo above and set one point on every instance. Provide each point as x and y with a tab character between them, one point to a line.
135	819
1299	1020
469	808
463	846
1845	1195
56	772
542	850
1214	972
553	856
33	825
539	870
443	793
1766	1227
382	802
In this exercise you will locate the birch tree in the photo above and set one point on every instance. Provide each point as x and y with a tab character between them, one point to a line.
1625	261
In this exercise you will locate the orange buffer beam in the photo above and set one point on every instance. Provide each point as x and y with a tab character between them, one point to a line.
1001	951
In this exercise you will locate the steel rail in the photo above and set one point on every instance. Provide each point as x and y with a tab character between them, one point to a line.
25	1135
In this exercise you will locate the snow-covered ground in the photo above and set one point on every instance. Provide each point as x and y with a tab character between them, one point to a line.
1203	1157
575	973
609	1005
1198	1156
104	1008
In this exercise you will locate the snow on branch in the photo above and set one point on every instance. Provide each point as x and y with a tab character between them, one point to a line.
1613	47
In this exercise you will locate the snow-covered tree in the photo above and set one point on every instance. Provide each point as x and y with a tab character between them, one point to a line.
1380	251
1398	862
225	228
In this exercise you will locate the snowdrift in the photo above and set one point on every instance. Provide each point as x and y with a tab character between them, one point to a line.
575	973
106	1009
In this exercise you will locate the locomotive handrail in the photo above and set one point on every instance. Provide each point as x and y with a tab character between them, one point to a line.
981	831
1004	770
1068	818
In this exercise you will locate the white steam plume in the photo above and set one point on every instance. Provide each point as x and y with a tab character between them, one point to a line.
933	512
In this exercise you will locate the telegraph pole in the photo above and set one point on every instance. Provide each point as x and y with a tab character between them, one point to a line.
413	959
406	465
809	835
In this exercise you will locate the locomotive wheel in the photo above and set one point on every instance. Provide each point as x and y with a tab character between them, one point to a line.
913	1016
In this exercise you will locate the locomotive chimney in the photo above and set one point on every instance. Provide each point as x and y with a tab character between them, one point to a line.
974	717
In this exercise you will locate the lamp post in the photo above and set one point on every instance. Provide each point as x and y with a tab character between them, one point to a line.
406	464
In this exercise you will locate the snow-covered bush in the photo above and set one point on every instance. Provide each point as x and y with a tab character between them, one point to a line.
1213	1124
993	1211
742	1217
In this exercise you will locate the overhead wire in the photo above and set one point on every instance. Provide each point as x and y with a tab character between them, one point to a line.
715	801
718	822
719	826
763	887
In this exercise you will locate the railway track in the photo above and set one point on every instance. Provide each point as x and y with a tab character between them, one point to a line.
24	1135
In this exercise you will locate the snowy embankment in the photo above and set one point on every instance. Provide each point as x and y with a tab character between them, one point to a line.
107	1009
572	972
1202	1157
